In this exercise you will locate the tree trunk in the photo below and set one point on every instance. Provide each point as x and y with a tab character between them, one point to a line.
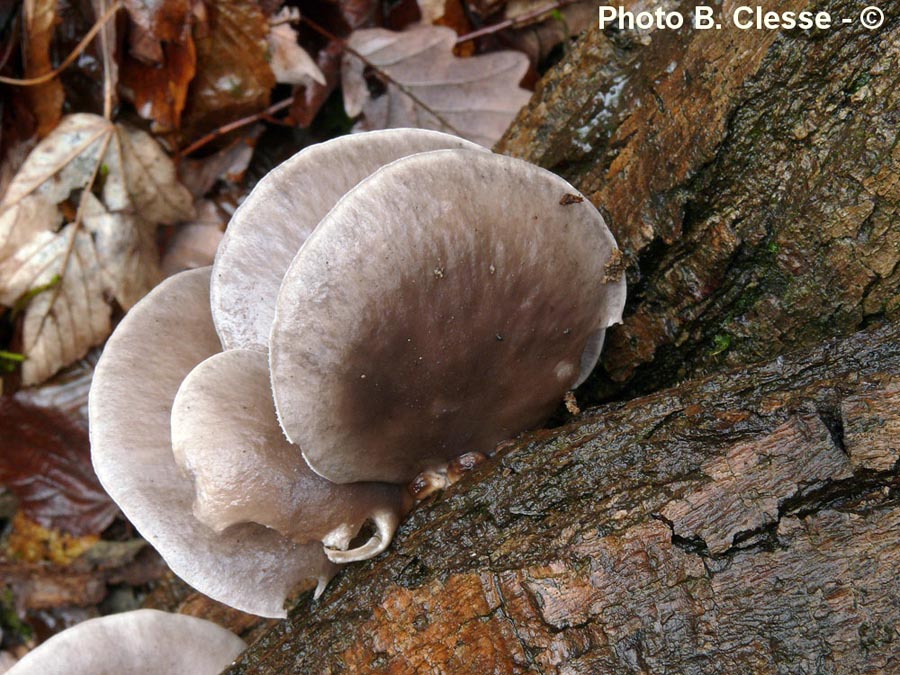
746	520
752	178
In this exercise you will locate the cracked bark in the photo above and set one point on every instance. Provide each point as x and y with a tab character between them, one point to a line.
745	521
750	176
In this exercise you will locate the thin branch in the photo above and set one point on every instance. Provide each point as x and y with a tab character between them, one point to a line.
86	40
517	21
415	99
237	124
106	52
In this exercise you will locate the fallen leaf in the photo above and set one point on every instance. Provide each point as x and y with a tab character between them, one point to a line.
159	90
33	543
233	77
431	10
290	63
46	464
46	100
67	392
228	164
539	37
160	61
428	87
339	18
309	100
64	277
162	19
194	244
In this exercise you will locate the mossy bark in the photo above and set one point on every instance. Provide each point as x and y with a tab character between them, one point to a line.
745	520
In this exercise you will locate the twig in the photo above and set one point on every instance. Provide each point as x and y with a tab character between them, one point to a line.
517	21
237	124
415	99
105	51
86	40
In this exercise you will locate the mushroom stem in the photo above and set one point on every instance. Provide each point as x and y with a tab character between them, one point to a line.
386	523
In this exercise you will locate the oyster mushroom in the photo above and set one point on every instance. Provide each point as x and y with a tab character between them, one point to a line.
226	436
156	345
445	304
275	219
145	641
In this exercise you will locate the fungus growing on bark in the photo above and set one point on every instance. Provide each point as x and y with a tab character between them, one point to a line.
271	225
226	436
145	641
156	345
445	304
434	303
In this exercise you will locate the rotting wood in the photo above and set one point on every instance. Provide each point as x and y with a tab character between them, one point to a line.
747	522
749	175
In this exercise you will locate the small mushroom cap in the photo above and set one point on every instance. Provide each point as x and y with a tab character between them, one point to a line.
276	218
142	642
155	346
226	436
442	306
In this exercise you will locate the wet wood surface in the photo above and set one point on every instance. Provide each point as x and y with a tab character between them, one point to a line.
747	522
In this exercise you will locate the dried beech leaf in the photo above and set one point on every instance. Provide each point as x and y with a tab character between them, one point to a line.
160	62
290	62
46	100
150	181
70	314
233	77
430	88
66	277
159	90
46	463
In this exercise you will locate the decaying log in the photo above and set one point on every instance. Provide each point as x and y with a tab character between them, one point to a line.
751	177
746	522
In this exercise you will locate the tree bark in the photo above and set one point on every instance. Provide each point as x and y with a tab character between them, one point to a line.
746	520
750	176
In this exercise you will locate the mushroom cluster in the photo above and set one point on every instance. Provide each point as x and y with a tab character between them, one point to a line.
381	304
145	641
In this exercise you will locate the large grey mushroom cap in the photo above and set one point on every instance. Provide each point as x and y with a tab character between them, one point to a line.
445	304
143	642
282	210
226	436
155	346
